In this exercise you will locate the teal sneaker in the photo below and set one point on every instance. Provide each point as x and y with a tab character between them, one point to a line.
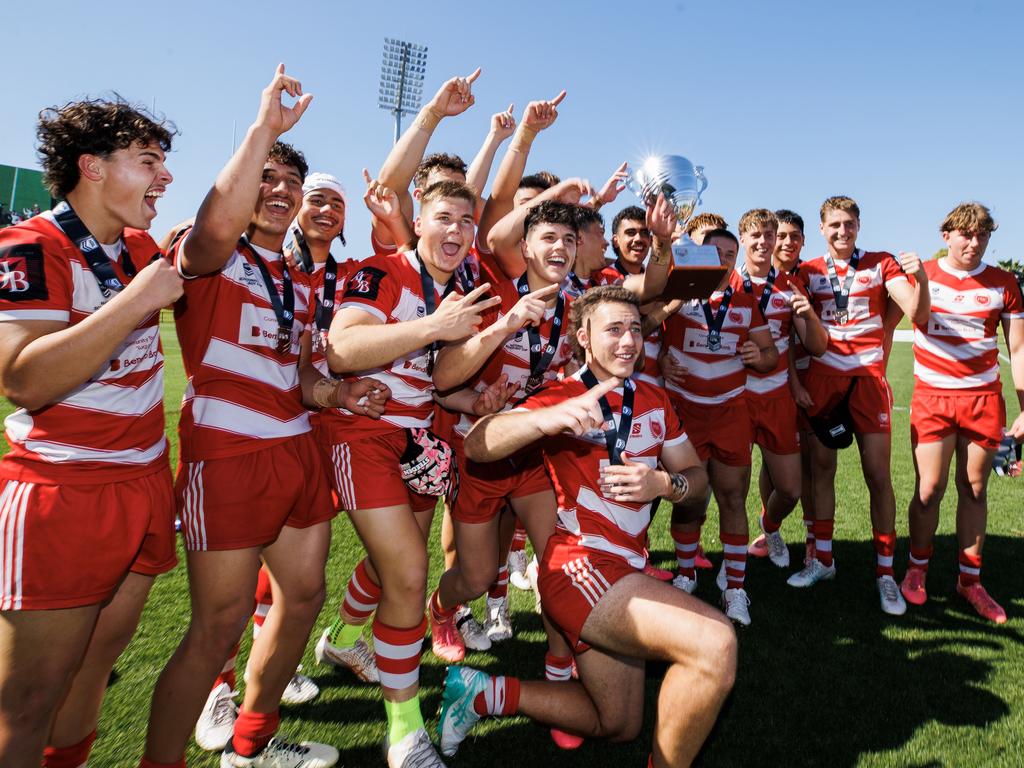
457	716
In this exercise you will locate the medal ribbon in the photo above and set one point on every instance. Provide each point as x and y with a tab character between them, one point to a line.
766	291
841	291
541	359
716	322
430	300
614	439
283	304
325	305
97	259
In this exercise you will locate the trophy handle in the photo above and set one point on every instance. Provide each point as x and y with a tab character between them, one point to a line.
698	171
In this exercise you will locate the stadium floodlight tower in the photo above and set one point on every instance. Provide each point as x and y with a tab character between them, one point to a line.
401	79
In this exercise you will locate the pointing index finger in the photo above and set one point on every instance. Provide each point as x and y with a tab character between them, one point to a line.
558	99
603	388
472	78
477	292
546	291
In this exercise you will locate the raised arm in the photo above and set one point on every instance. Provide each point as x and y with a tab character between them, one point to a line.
227	209
914	300
382	203
503	125
661	221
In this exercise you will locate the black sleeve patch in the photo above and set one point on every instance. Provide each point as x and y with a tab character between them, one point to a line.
22	276
365	284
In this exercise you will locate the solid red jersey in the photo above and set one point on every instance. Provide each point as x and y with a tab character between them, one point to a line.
778	314
242	395
958	348
715	376
855	347
111	427
584	514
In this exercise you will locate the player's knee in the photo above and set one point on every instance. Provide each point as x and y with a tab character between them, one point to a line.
878	481
973	492
625	728
930	493
407	582
718	655
478	580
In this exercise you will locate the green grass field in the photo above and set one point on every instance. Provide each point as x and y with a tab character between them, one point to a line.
825	679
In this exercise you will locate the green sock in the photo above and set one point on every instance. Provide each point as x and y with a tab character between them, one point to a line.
343	635
404	717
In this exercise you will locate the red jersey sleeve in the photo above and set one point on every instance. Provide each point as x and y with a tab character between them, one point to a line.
1013	302
35	277
373	288
891	270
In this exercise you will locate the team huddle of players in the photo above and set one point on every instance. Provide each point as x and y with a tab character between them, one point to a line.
487	356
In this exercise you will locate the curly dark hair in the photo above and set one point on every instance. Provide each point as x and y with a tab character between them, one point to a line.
286	154
438	161
585	216
551	212
92	127
540	180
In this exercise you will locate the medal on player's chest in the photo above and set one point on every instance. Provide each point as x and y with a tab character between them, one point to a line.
282	303
842	316
841	289
714	341
319	340
715	320
284	339
533	383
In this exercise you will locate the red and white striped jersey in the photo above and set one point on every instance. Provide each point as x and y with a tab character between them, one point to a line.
111	427
958	349
856	347
513	357
778	314
714	377
241	394
593	521
390	289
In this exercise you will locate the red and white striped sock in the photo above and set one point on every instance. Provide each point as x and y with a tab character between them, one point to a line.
823	541
263	600
885	548
970	568
499	698
734	548
919	558
227	672
75	756
398	653
499	589
557	668
686	551
518	538
361	595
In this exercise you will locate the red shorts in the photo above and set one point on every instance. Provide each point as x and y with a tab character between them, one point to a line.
67	546
774	422
244	501
483	488
719	432
978	416
870	402
365	474
571	580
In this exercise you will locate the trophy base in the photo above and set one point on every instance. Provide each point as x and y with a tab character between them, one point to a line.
692	282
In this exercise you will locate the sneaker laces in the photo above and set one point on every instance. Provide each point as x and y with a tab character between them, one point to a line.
776	546
889	589
422	754
363	653
281	746
225	710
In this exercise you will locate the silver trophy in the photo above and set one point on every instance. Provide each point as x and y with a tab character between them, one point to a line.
696	269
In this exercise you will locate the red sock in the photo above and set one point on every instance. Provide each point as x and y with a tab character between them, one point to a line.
437	612
499	698
144	763
262	601
398	653
361	595
734	546
253	731
518	538
885	548
919	557
557	668
686	551
768	524
499	589
69	757
970	568
227	672
823	540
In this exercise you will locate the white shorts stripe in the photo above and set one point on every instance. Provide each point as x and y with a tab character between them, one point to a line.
13	505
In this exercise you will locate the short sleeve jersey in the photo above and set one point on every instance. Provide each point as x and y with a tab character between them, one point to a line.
958	348
111	427
513	357
591	520
855	347
241	395
777	309
390	288
715	376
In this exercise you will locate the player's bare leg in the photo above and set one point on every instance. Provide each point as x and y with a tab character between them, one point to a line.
973	466
822	464
221	585
39	653
730	485
784	471
875	449
448	536
473	573
931	471
295	563
79	713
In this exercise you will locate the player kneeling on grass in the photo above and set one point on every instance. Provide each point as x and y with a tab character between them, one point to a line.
611	445
958	403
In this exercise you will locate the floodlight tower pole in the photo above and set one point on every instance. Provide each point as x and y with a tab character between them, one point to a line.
401	79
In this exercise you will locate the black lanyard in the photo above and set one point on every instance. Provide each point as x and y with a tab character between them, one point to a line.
576	282
465	276
541	357
614	439
99	263
283	303
430	300
619	267
716	322
305	255
325	305
766	291
841	291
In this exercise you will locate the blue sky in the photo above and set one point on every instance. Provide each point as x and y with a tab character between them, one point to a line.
909	106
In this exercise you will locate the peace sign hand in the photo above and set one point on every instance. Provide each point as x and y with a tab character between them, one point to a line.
581	414
458	317
381	201
273	114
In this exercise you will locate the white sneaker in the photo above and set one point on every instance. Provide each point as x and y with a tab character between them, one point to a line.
778	552
721	580
359	658
735	603
216	724
814	572
283	754
300	689
532	573
517	570
498	625
889	596
414	751
684	583
473	635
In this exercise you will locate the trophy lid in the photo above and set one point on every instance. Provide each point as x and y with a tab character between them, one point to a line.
673	175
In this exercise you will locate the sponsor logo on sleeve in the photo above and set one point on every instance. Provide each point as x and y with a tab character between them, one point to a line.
365	284
22	275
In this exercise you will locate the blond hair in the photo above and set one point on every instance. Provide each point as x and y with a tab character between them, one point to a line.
840	203
969	217
702	220
758	217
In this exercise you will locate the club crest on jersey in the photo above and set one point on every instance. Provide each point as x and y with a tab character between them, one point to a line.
365	284
863	279
982	300
657	430
778	302
736	317
22	276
